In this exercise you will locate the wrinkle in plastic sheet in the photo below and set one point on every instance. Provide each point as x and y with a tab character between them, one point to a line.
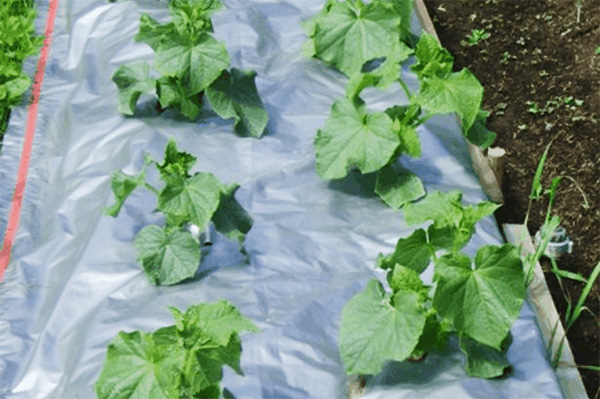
73	282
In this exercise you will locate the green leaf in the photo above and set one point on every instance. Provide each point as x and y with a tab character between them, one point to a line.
479	134
348	35
193	16
168	364
412	252
133	81
122	186
217	323
380	72
167	258
152	32
459	92
136	367
434	337
445	209
432	59
405	121
172	92
405	279
17	86
234	95
373	332
398	189
404	9
352	136
484	361
197	64
176	165
482	300
195	200
230	218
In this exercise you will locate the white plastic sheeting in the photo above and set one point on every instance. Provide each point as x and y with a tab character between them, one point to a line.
73	281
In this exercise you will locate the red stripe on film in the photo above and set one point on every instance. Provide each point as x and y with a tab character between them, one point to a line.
17	201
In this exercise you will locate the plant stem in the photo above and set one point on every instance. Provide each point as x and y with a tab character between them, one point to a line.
409	94
151	188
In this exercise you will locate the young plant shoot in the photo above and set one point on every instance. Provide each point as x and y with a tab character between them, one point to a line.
171	254
477	299
368	42
181	361
192	63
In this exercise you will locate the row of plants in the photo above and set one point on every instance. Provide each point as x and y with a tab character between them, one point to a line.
477	298
17	42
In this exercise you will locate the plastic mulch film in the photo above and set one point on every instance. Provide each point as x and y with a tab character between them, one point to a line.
74	283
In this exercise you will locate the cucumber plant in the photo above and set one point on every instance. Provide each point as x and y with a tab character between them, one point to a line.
180	361
171	254
369	43
193	64
477	298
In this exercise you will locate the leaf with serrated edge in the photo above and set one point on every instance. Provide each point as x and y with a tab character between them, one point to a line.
167	258
373	332
432	59
133	81
195	200
137	368
354	136
348	38
217	322
234	95
482	300
459	92
398	189
198	64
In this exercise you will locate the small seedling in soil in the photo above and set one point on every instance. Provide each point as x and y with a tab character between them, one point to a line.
476	36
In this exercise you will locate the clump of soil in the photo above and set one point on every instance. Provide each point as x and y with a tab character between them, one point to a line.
540	68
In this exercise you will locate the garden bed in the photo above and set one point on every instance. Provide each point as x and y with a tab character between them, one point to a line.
541	72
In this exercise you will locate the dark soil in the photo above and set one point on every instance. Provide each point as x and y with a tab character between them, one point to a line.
542	51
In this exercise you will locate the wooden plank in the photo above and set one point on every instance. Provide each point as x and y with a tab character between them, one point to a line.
547	317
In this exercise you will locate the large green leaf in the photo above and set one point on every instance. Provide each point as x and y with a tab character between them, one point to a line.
482	300
137	368
353	136
234	95
199	64
195	200
348	35
167	258
133	81
459	92
398	189
483	361
230	218
373	332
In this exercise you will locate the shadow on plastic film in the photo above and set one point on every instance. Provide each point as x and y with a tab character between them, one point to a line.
356	183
